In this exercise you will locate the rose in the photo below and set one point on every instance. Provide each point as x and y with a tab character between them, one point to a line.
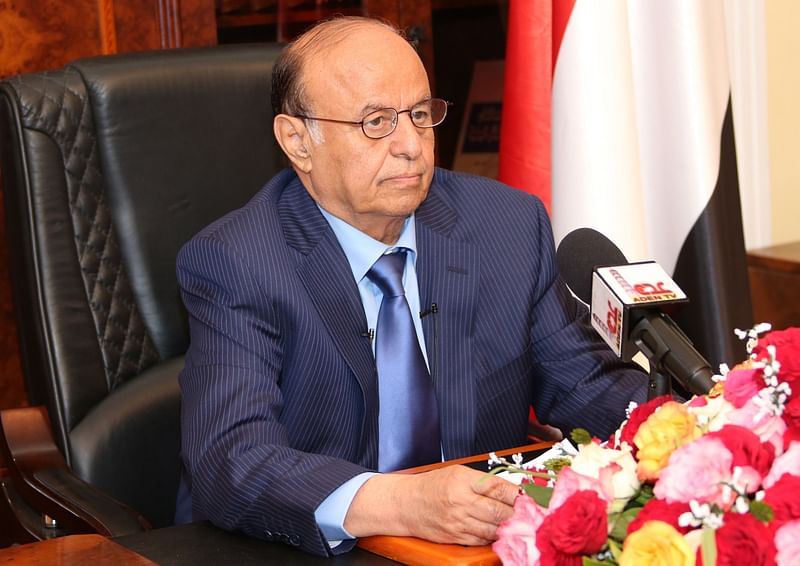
791	413
787	352
786	463
782	497
699	472
660	510
516	537
787	541
668	428
569	481
711	412
578	527
791	435
592	458
767	426
741	385
749	453
742	539
656	543
637	417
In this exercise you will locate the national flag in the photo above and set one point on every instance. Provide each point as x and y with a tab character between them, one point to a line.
643	148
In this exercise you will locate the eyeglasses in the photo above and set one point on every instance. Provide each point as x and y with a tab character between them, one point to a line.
381	123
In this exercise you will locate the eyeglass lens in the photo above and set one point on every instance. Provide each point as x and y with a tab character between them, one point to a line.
426	114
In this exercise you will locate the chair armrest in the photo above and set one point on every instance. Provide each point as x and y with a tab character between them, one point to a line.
42	478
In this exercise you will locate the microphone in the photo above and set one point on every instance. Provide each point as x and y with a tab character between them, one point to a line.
626	301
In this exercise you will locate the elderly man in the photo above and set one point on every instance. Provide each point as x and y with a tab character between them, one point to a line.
366	312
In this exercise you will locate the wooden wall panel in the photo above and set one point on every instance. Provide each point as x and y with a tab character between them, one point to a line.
45	34
412	16
37	35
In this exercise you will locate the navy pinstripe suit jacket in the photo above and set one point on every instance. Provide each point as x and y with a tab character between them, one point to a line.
280	398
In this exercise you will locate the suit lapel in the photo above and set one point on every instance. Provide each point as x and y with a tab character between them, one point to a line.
448	274
326	275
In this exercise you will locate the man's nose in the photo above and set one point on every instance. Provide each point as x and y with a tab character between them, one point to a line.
407	138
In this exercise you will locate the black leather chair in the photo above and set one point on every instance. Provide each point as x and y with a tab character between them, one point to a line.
108	166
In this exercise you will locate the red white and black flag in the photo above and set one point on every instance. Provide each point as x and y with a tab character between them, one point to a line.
642	145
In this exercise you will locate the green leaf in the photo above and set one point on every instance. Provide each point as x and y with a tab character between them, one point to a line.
621	521
644	495
588	561
539	493
580	436
616	551
557	464
761	511
708	546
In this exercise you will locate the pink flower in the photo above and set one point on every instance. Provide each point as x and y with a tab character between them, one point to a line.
569	481
768	427
787	541
516	537
741	385
786	463
749	453
697	471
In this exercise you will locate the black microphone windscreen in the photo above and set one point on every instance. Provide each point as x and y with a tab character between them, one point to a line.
579	253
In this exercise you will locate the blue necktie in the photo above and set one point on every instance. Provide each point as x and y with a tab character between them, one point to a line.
408	421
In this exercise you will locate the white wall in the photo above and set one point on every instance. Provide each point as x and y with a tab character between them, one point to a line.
783	99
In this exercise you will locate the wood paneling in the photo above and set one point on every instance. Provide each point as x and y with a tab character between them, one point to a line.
415	18
775	284
37	35
45	34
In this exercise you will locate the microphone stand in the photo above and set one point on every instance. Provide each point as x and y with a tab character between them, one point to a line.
658	384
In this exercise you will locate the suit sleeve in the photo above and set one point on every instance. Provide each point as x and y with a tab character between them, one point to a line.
244	473
580	381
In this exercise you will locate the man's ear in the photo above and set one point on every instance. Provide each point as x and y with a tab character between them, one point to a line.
294	139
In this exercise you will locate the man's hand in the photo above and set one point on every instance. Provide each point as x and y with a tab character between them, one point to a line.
454	504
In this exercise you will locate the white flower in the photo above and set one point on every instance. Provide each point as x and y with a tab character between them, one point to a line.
592	458
714	414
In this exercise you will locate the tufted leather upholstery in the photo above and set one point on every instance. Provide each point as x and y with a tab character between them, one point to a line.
108	166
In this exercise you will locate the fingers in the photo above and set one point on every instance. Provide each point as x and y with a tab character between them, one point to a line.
497	489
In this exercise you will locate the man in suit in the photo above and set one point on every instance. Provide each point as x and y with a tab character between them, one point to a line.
284	391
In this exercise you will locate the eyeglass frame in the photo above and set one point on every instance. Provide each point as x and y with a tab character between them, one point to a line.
447	104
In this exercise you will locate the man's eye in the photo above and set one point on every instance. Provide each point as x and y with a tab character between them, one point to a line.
375	122
421	116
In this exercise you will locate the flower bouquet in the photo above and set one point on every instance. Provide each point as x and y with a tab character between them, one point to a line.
715	480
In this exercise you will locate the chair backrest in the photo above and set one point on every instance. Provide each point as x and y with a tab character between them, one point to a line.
108	166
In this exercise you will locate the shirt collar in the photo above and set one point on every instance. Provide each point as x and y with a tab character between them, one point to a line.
362	250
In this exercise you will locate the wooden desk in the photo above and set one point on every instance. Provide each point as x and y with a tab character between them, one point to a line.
775	284
417	552
77	550
202	543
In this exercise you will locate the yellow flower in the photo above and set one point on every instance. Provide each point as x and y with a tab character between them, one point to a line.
666	430
656	543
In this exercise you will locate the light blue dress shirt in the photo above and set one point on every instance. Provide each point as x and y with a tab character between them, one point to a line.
362	251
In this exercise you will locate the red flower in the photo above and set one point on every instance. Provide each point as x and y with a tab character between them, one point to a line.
536	480
784	500
578	527
660	510
742	539
747	448
791	413
787	352
791	435
638	416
